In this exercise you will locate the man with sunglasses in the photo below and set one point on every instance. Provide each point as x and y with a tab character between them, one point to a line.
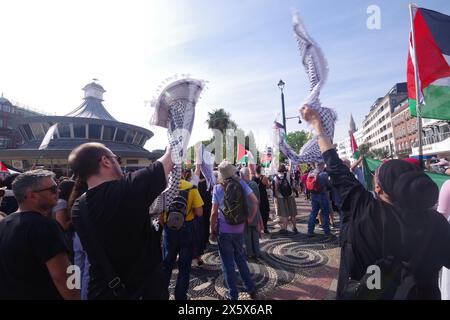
33	252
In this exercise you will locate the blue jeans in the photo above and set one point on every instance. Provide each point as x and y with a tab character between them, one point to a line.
81	260
319	202
232	251
178	242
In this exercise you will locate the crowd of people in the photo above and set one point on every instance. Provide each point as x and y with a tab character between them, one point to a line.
99	221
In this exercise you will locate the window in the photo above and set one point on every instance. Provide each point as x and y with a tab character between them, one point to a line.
37	130
137	138
143	140
45	126
28	132
132	161
130	136
108	132
4	142
94	131
64	130
23	134
79	131
1	123
120	135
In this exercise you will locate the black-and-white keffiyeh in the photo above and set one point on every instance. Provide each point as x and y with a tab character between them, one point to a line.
316	68
175	110
207	166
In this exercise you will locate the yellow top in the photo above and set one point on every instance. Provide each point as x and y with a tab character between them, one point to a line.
194	200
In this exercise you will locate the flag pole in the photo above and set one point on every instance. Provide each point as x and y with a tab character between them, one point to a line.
416	79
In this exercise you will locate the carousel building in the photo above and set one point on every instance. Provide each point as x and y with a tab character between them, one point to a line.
90	122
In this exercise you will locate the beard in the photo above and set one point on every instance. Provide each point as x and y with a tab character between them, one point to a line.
47	206
118	172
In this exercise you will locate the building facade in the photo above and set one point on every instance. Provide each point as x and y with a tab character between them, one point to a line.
435	139
405	130
8	113
90	122
377	125
344	148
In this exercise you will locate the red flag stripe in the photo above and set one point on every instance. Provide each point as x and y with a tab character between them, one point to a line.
430	60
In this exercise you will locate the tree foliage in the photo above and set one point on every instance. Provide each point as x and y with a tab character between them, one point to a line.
296	141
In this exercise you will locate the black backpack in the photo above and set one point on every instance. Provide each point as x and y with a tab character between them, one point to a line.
235	205
284	187
177	211
397	281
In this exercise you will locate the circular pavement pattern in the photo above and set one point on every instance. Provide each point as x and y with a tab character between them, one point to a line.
284	258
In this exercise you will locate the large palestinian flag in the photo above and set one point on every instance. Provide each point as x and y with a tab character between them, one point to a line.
432	37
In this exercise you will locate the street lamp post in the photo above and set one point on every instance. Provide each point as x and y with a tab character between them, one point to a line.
281	86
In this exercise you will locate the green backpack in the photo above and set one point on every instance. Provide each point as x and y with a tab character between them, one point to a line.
235	205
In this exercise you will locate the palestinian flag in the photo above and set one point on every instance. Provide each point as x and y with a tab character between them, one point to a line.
354	146
266	160
3	167
357	154
432	38
241	152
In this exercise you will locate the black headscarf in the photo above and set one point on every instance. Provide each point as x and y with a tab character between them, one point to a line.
407	186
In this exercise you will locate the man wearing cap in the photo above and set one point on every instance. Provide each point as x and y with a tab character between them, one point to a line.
231	237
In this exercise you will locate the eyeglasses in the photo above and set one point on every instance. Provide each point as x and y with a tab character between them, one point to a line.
118	159
52	189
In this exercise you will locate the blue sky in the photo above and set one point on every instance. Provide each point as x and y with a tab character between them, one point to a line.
51	49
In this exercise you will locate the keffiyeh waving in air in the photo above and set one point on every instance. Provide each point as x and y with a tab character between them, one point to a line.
175	110
316	69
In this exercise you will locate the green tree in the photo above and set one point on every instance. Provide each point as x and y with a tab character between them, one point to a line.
380	154
364	148
221	120
296	141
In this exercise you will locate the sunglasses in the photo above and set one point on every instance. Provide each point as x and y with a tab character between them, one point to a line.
53	189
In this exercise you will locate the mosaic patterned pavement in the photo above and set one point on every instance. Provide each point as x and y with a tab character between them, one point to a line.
291	266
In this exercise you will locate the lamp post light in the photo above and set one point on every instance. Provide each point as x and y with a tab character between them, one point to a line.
295	117
281	86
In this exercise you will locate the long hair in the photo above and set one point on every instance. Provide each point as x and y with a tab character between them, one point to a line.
85	162
79	188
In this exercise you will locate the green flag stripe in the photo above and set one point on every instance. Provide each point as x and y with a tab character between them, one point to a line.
437	103
439	179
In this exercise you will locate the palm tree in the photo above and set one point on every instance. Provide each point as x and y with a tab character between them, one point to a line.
221	120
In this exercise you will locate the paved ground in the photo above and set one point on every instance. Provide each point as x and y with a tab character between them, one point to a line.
292	267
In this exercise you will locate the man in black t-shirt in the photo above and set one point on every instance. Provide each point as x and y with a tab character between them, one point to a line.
119	223
33	253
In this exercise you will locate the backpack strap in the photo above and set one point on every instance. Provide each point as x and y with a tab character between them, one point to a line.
115	283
